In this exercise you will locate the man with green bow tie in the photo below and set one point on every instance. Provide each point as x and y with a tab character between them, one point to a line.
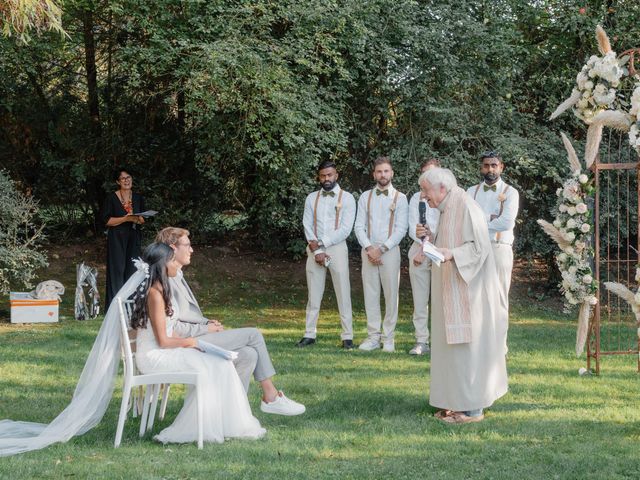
328	220
499	202
381	224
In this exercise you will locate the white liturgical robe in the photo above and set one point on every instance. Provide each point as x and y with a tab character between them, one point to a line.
472	375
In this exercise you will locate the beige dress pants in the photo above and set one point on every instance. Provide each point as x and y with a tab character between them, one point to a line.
420	277
503	255
316	277
386	275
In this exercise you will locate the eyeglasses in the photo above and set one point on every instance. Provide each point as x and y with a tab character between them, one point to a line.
123	179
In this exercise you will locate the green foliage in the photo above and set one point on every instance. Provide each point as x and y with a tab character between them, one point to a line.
20	234
229	105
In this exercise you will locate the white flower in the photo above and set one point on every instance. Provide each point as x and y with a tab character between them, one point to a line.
562	208
569	250
559	191
571	223
571	210
580	246
573	269
583	178
587	279
573	301
562	257
581	208
557	223
570	236
585	228
593	300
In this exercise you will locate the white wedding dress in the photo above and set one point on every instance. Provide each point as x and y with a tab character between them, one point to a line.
226	411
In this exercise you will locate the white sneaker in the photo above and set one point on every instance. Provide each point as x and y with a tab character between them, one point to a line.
389	347
369	344
420	349
282	406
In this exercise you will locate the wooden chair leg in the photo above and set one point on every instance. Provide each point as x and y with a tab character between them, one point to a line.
145	410
126	394
165	399
200	401
154	406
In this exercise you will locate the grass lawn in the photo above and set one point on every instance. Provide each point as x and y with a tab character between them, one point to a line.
367	413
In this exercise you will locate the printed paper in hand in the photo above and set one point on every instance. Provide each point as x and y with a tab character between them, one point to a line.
430	250
211	349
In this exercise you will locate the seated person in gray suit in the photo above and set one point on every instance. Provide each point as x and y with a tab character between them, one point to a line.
253	356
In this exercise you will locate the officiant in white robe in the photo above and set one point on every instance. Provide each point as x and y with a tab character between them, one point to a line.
468	368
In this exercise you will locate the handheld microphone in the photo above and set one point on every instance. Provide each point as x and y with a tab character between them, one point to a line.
422	211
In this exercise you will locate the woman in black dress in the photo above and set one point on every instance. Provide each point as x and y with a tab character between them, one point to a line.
124	237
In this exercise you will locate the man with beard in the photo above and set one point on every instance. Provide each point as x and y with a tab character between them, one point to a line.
328	219
381	224
468	366
499	202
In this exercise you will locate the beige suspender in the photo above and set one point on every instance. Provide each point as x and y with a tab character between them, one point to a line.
475	194
504	194
315	213
391	217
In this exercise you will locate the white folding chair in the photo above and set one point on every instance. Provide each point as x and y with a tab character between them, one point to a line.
153	382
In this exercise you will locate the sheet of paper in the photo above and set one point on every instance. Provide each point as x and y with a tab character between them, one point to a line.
212	349
430	250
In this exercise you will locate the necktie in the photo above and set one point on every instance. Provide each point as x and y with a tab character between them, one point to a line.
328	194
489	187
382	192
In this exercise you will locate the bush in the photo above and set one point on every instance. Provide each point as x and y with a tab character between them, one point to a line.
20	236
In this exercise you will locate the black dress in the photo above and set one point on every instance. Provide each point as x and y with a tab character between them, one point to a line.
124	243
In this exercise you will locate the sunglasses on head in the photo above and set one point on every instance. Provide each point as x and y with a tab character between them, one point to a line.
490	154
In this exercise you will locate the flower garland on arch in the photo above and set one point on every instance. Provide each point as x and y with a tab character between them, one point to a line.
572	230
634	112
598	103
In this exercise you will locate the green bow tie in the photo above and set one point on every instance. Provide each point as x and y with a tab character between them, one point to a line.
330	193
490	187
382	192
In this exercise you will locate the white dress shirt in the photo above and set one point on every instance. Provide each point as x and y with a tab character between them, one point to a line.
326	217
380	216
491	206
433	216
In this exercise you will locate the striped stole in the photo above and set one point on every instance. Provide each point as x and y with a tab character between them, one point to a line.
455	293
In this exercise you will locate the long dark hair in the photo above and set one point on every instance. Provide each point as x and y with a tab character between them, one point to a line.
156	255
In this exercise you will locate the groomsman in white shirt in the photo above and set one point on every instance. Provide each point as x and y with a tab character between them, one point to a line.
499	202
328	220
423	223
381	223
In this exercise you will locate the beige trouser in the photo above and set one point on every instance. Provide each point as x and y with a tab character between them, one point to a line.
316	276
503	255
420	277
386	275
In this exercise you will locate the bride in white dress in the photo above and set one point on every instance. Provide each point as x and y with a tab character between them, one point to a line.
226	408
